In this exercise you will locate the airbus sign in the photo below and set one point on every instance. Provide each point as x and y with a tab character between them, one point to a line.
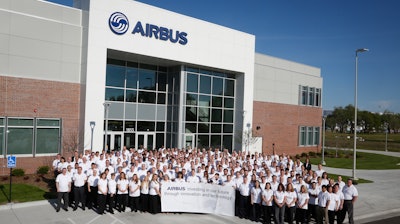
119	24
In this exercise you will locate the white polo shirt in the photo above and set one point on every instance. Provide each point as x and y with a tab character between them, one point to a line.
79	179
63	182
349	192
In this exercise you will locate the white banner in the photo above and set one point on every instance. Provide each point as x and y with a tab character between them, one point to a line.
198	198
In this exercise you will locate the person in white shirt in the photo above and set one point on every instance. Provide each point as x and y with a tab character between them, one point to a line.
302	205
350	194
255	198
122	192
79	180
155	194
339	194
267	199
134	193
313	201
55	164
112	190
333	205
291	198
244	199
144	194
320	170
323	204
102	189
92	189
63	185
192	178
279	201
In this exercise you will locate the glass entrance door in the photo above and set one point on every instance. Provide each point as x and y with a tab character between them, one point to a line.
145	140
189	141
115	140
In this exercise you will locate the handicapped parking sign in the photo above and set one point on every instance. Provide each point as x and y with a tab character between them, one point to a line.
11	161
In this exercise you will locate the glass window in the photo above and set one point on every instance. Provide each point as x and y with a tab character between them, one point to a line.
317	97
48	122
147	79
316	135
304	90
216	115
130	126
216	101
147	97
204	114
20	122
114	94
159	140
190	128
47	140
114	125
162	81
302	137
205	84
192	83
191	113
203	128
160	126
145	126
310	135
204	100
191	99
115	76
115	62
161	98
1	121
216	141
191	69
311	96
229	102
227	142
228	128
20	141
131	78
131	96
203	141
229	87
1	140
228	116
218	86
216	128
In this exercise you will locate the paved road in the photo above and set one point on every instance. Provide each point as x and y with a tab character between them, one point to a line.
377	201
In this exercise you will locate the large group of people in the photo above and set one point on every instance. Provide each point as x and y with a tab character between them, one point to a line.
269	188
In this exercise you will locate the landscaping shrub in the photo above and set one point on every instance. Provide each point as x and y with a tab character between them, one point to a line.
43	170
18	172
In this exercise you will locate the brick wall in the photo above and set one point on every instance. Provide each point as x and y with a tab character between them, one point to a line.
19	97
279	124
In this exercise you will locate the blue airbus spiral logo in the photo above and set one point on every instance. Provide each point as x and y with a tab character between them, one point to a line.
118	23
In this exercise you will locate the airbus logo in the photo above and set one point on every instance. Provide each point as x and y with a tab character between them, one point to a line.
118	23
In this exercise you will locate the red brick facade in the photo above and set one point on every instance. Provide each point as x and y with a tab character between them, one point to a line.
21	97
279	124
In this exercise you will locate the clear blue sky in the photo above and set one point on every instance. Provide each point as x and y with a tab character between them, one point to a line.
324	34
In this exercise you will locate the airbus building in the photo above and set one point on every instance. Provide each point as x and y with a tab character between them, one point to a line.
144	77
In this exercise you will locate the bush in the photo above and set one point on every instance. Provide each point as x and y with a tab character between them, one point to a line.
18	172
43	170
311	153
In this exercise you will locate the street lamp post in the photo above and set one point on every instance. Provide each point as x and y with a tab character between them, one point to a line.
248	138
355	113
323	141
106	107
386	132
92	124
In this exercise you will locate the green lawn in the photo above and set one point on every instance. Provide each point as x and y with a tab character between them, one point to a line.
359	181
366	161
375	141
21	193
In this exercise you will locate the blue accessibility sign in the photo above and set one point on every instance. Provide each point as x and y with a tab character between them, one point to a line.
11	161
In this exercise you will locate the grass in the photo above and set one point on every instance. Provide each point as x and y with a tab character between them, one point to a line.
365	161
376	141
359	181
19	193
